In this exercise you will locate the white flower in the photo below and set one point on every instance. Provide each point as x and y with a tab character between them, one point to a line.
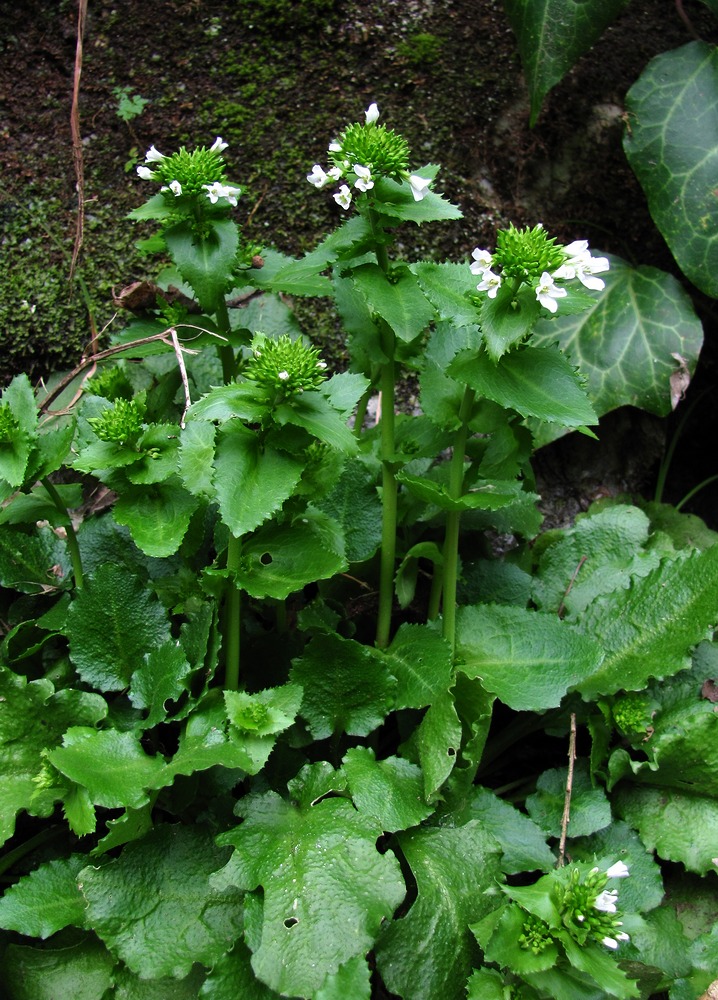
622	937
547	292
154	156
317	177
419	186
371	113
343	197
176	188
218	146
619	870
606	901
218	190
482	261
489	283
335	147
610	943
363	181
283	376
335	172
580	264
145	173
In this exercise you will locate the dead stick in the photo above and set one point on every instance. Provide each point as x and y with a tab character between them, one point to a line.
565	819
77	138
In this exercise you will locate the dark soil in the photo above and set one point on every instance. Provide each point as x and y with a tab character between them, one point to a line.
277	79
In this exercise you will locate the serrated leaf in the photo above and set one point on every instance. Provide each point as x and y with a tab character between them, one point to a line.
15	453
326	889
104	647
155	906
46	900
481	496
430	952
347	686
671	146
354	504
388	790
400	302
528	659
232	977
590	809
160	678
397	201
644	889
420	659
128	986
447	286
626	345
522	841
83	971
552	34
196	456
264	713
437	742
33	562
312	411
158	516
205	263
535	381
251	482
649	630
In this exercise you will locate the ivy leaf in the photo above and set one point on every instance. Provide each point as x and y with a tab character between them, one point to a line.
649	629
552	34
400	302
528	659
430	952
251	482
83	970
158	516
535	381
46	900
326	888
671	146
155	906
347	686
626	345
390	790
112	622
205	263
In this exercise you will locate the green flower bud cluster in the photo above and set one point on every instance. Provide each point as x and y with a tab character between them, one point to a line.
121	424
111	383
284	364
380	149
588	909
632	713
535	935
527	253
193	170
9	424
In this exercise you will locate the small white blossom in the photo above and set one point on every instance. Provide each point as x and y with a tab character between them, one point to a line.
622	936
176	188
145	173
154	156
482	261
372	114
547	292
283	376
363	181
419	186
619	870
489	283
322	365
606	901
335	172
610	943
317	177
343	197
580	264
218	146
335	147
218	190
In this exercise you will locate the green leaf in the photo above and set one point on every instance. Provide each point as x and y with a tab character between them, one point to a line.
155	906
265	713
46	900
534	381
628	345
351	980
399	301
528	659
83	971
111	765
251	482
590	809
447	287
232	978
112	622
389	790
158	516
671	145
354	504
162	677
397	201
347	686
34	717
430	952
643	890
326	889
420	659
485	984
15	453
196	457
482	496
131	987
33	562
552	34
437	742
281	559
312	411
521	839
205	263
649	629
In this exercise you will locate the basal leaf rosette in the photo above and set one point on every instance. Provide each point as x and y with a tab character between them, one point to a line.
365	153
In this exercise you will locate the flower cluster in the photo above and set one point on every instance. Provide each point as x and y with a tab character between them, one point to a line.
363	154
284	364
588	909
185	173
531	257
122	423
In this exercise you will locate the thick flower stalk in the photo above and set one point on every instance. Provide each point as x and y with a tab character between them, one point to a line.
530	257
363	154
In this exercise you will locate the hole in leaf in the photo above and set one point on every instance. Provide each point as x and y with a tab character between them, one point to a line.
290	922
266	559
451	752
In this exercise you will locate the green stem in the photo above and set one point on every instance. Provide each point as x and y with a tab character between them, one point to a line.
437	585
71	537
226	352
453	519
232	607
696	489
388	494
361	411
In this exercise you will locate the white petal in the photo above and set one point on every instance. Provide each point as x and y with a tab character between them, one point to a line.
606	901
175	188
371	113
576	249
619	870
343	197
610	943
145	173
588	281
317	177
419	186
154	156
218	145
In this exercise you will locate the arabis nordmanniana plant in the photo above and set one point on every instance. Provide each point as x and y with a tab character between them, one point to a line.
199	174
364	153
530	257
